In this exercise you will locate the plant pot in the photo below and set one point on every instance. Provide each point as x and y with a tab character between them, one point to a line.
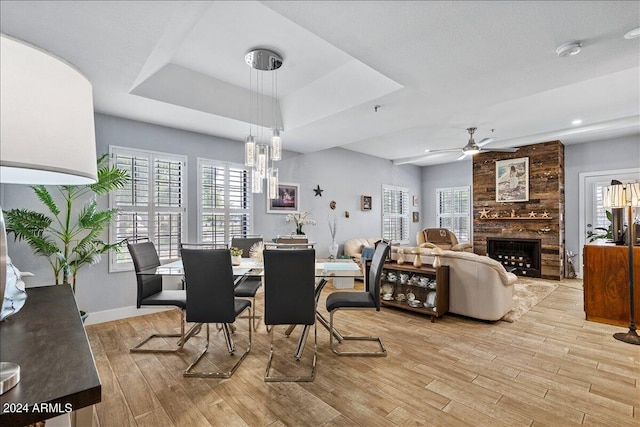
236	259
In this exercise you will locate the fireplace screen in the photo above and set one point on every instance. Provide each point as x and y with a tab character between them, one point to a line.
520	256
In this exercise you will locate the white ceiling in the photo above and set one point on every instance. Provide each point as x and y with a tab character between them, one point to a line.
435	68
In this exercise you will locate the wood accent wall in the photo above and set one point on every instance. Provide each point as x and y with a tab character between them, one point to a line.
546	194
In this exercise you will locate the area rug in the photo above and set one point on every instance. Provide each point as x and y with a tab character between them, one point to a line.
528	292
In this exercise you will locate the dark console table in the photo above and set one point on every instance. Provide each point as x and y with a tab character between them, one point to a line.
58	372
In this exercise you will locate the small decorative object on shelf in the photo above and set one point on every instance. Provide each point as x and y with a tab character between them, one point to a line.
417	261
436	252
484	213
400	259
532	214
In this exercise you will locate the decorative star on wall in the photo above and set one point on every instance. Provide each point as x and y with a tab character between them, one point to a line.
545	214
318	191
484	213
532	214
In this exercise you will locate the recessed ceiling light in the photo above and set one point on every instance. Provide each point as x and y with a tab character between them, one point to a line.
635	33
576	122
568	49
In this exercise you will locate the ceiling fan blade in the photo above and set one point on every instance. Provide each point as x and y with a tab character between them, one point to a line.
485	141
425	156
504	150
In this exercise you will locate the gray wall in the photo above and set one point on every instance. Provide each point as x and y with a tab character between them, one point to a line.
612	154
343	174
455	174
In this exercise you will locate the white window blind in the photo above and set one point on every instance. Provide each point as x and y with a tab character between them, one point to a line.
454	211
224	205
600	217
395	214
152	205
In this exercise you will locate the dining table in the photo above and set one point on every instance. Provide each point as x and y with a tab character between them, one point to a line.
325	269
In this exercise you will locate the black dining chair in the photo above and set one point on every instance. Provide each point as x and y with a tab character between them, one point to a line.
248	286
368	299
289	298
199	246
210	299
151	294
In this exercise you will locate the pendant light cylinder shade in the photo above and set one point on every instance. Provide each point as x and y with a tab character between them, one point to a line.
276	145
47	124
250	151
256	181
273	183
262	160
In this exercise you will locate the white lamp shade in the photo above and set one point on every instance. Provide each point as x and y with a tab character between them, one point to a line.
46	119
622	195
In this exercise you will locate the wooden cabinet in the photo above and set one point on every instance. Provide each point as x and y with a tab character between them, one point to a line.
606	283
415	288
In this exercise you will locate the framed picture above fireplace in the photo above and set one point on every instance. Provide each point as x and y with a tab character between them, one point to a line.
512	180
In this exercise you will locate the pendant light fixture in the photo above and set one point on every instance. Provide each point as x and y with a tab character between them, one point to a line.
257	152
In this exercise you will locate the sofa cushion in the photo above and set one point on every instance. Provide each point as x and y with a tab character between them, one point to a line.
353	247
507	278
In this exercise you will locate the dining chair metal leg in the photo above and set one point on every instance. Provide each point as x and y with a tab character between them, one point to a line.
191	373
179	346
284	378
334	345
255	318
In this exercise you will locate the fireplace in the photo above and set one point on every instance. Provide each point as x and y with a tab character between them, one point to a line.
521	256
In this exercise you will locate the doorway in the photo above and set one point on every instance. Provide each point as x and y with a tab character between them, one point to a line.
593	213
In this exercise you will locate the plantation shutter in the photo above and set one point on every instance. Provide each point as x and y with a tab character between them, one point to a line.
454	211
395	214
224	202
151	205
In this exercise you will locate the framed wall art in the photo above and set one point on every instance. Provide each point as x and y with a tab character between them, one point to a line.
288	200
365	203
512	180
416	217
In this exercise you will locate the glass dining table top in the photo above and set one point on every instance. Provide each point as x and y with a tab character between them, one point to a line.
248	267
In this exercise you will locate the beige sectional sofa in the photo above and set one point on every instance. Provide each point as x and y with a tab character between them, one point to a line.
353	247
479	286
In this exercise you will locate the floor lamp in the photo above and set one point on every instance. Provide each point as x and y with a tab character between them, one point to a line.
47	134
626	196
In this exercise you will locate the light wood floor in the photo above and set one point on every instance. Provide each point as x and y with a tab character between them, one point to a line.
550	368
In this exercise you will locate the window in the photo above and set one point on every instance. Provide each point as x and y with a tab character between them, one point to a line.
395	214
152	205
224	201
454	211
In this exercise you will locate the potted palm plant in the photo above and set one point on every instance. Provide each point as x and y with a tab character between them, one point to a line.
69	236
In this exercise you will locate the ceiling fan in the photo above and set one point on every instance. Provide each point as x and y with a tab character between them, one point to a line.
470	149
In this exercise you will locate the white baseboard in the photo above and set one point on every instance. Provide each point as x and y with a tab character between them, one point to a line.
120	313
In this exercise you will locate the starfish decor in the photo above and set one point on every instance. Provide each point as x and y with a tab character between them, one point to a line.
318	191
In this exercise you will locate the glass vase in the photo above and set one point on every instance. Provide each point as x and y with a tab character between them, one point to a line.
333	250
